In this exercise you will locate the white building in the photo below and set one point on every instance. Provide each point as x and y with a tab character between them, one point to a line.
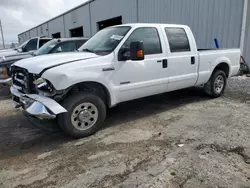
226	20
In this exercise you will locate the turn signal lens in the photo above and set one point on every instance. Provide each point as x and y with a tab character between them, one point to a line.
140	53
3	73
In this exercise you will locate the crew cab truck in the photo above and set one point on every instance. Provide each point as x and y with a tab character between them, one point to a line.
118	64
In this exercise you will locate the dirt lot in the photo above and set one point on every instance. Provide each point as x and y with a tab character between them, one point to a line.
180	139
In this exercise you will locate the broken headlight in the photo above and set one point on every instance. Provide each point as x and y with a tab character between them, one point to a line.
44	87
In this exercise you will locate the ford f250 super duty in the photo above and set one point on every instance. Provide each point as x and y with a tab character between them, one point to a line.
118	64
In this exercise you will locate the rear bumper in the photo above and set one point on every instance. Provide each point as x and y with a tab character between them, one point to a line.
36	105
6	81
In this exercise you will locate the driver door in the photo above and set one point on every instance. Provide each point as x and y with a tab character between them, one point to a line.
136	79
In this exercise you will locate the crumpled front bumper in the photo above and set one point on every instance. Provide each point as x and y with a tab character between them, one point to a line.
6	81
36	105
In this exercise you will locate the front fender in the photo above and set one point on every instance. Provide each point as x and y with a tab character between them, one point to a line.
65	81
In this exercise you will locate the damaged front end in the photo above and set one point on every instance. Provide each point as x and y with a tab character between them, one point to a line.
36	105
34	95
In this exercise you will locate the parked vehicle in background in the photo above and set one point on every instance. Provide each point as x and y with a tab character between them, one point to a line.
13	49
118	64
61	45
29	46
53	46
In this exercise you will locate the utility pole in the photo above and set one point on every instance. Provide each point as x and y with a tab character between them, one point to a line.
1	28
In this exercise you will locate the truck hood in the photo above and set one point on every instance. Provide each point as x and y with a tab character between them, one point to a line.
40	63
6	50
14	57
8	53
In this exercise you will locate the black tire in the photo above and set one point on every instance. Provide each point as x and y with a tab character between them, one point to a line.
210	85
70	103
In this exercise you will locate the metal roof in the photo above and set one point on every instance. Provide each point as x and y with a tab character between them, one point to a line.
83	4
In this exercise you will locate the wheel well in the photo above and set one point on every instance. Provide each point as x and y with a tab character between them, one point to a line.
224	67
92	87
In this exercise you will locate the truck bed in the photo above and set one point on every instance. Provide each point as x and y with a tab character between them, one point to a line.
209	58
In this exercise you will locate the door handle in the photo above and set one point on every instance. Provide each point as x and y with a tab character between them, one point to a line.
192	60
108	69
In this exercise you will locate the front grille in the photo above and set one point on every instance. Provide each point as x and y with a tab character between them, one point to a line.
22	80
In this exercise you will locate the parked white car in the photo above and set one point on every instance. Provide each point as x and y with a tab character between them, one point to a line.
118	64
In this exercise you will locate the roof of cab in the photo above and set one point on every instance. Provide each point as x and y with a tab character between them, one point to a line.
151	25
70	39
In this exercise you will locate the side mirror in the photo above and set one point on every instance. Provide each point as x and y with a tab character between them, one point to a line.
137	51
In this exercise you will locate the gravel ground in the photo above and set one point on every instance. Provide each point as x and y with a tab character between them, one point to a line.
181	139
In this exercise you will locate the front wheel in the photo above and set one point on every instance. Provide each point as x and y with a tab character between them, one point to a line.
85	116
216	85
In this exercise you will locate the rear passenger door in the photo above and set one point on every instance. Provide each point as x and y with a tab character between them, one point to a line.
182	59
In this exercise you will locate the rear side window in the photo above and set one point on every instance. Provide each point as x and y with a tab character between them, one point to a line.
150	38
178	40
79	43
65	47
42	42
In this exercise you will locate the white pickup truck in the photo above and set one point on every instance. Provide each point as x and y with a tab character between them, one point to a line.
118	64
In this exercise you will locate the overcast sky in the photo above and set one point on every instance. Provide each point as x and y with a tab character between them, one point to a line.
20	15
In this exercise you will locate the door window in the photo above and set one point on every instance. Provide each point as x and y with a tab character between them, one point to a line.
31	45
150	38
178	40
79	43
43	41
65	47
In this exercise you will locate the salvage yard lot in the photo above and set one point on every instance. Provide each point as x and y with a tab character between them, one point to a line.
178	139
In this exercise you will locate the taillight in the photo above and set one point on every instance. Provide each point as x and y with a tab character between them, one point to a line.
241	60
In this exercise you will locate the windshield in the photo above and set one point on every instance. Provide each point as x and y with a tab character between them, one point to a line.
22	45
45	49
106	40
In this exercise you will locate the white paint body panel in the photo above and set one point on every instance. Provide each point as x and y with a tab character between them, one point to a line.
134	79
208	60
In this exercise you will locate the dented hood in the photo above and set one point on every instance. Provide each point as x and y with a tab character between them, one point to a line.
40	63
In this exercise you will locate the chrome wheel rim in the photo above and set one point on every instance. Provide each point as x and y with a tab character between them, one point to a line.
84	116
219	84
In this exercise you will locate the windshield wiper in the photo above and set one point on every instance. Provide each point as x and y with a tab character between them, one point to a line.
88	50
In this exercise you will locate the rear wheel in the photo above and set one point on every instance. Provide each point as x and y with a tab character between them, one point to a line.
216	85
85	116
